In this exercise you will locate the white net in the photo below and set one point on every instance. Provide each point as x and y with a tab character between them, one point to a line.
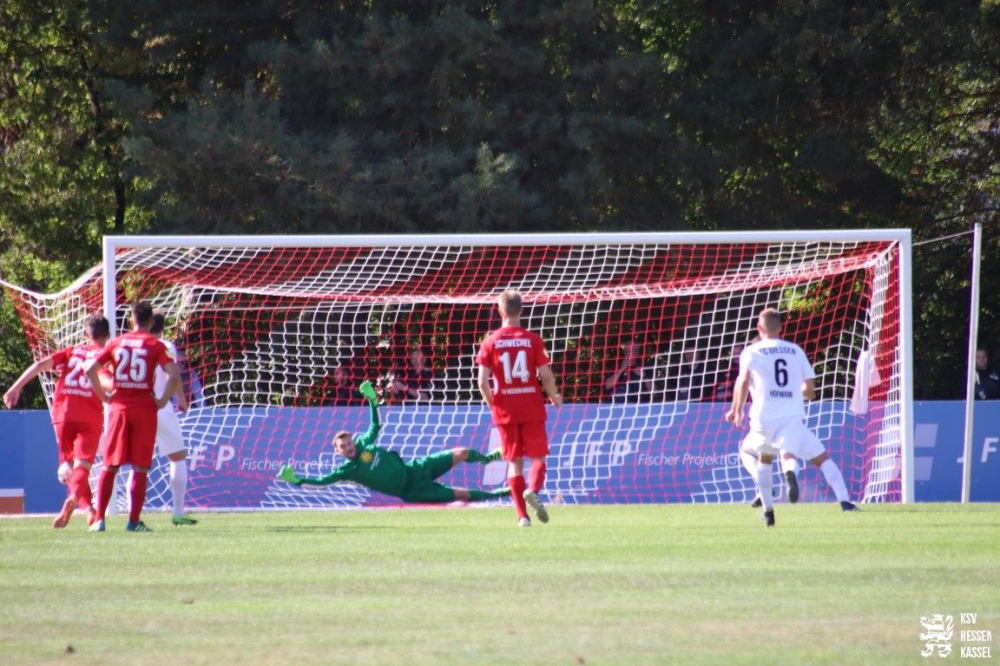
274	336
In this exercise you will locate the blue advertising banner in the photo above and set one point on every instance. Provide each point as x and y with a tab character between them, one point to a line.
598	453
663	453
938	446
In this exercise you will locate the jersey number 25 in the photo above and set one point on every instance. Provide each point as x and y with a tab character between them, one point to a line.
132	365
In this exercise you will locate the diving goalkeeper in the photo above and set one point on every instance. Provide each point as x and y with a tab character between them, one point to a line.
384	471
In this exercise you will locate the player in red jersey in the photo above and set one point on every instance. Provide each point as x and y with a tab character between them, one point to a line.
131	427
511	360
77	414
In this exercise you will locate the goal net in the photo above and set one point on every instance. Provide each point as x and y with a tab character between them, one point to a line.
643	330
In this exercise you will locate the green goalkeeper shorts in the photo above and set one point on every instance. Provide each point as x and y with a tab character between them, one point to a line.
421	486
430	492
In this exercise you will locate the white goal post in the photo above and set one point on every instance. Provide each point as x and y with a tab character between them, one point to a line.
323	301
643	329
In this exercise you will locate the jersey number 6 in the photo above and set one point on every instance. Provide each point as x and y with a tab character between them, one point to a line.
780	373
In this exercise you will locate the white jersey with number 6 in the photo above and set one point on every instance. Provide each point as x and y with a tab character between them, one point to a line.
777	369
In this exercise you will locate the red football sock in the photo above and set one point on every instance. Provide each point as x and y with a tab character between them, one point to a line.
105	489
79	486
536	475
517	486
138	494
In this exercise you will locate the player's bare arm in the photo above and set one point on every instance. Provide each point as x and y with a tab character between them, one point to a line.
173	385
13	394
93	372
549	382
486	385
735	413
809	389
182	403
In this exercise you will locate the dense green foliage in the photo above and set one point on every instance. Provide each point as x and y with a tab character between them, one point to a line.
296	116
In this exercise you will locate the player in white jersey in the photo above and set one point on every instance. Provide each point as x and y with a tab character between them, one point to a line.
169	437
777	375
789	463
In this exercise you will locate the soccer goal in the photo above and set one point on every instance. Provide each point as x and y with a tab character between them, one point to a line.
643	331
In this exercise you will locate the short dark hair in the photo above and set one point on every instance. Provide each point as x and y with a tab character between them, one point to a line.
159	323
770	319
98	327
142	312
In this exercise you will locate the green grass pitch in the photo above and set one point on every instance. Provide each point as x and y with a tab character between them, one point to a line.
654	584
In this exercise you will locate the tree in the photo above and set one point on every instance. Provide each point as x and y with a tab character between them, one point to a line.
299	116
61	176
938	135
834	114
403	117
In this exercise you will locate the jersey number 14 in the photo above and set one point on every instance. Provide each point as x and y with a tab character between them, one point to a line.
517	370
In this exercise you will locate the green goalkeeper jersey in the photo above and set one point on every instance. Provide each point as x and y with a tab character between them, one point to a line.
374	467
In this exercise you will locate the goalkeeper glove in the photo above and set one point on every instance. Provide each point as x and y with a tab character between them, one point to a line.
287	473
366	389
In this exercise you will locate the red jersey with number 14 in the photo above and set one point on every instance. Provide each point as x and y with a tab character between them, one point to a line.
74	400
134	357
513	355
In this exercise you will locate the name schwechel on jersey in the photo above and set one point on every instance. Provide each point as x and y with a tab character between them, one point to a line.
513	355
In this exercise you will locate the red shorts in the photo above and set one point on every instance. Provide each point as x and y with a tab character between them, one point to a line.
77	440
523	440
130	437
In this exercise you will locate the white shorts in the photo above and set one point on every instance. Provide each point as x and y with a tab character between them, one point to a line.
169	438
788	435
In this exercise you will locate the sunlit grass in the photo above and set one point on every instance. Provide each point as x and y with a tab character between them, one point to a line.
597	585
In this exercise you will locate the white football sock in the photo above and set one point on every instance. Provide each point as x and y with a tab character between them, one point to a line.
749	462
178	484
789	464
765	484
835	479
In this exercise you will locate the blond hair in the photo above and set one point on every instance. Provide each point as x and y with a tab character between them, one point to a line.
510	303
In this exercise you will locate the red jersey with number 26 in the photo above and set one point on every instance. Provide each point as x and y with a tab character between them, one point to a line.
134	357
513	355
74	400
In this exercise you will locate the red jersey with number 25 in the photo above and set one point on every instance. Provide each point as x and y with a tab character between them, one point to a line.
74	400
513	355
134	357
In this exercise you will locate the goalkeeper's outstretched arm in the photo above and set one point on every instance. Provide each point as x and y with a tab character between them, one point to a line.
375	427
345	445
287	474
